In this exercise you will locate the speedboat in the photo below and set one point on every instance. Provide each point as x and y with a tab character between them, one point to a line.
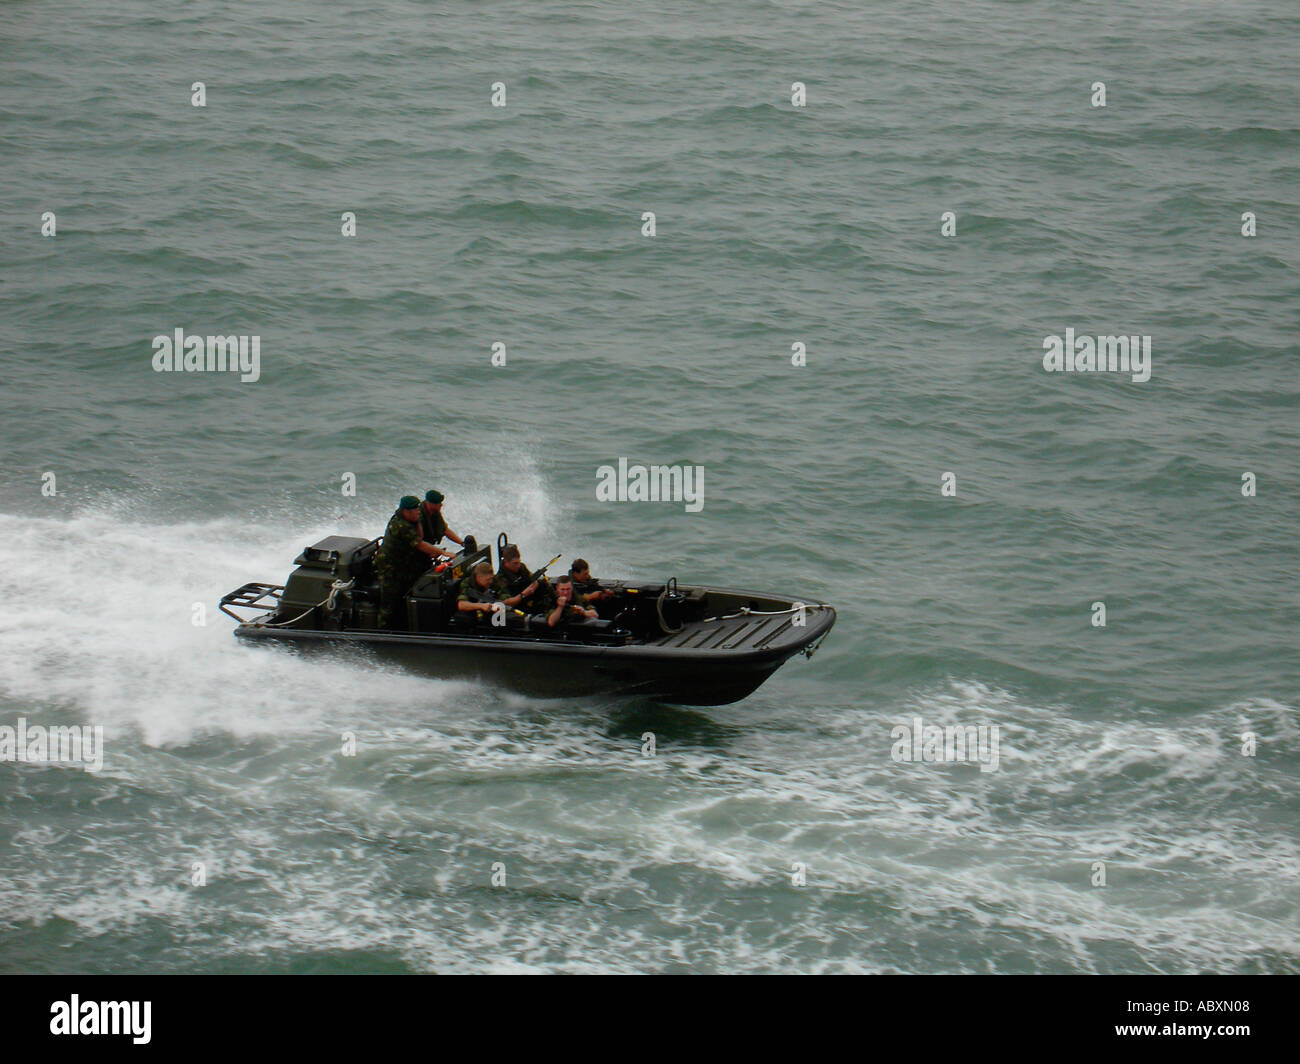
682	644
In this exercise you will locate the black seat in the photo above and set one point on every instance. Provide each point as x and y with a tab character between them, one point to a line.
450	611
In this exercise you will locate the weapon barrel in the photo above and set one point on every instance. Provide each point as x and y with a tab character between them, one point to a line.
542	571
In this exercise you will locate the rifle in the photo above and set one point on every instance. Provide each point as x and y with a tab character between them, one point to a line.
540	575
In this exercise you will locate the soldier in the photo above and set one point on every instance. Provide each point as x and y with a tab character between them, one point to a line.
432	525
586	588
565	609
516	586
400	561
478	593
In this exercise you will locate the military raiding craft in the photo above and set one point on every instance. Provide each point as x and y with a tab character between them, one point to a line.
446	615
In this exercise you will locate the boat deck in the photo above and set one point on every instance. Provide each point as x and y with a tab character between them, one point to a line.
733	633
747	631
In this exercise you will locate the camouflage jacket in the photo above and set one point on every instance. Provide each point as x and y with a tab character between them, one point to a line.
571	613
510	584
399	557
432	526
471	592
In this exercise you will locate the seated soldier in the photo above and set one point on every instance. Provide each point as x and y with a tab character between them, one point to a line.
586	588
478	594
565	609
516	586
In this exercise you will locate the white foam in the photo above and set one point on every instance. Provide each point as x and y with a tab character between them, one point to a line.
97	622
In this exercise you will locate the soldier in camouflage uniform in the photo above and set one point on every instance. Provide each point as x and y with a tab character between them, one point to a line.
400	561
516	586
586	588
478	593
432	524
565	609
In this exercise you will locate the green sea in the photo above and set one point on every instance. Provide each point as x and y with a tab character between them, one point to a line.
913	463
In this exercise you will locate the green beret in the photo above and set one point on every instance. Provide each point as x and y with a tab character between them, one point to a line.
433	496
409	502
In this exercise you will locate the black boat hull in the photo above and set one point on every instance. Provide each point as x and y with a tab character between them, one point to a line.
546	669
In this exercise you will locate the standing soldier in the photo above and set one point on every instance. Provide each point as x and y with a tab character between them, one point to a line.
432	525
400	561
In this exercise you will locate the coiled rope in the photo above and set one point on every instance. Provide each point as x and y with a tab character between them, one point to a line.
330	601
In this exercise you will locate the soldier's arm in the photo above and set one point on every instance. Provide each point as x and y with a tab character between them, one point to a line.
514	600
465	604
424	546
